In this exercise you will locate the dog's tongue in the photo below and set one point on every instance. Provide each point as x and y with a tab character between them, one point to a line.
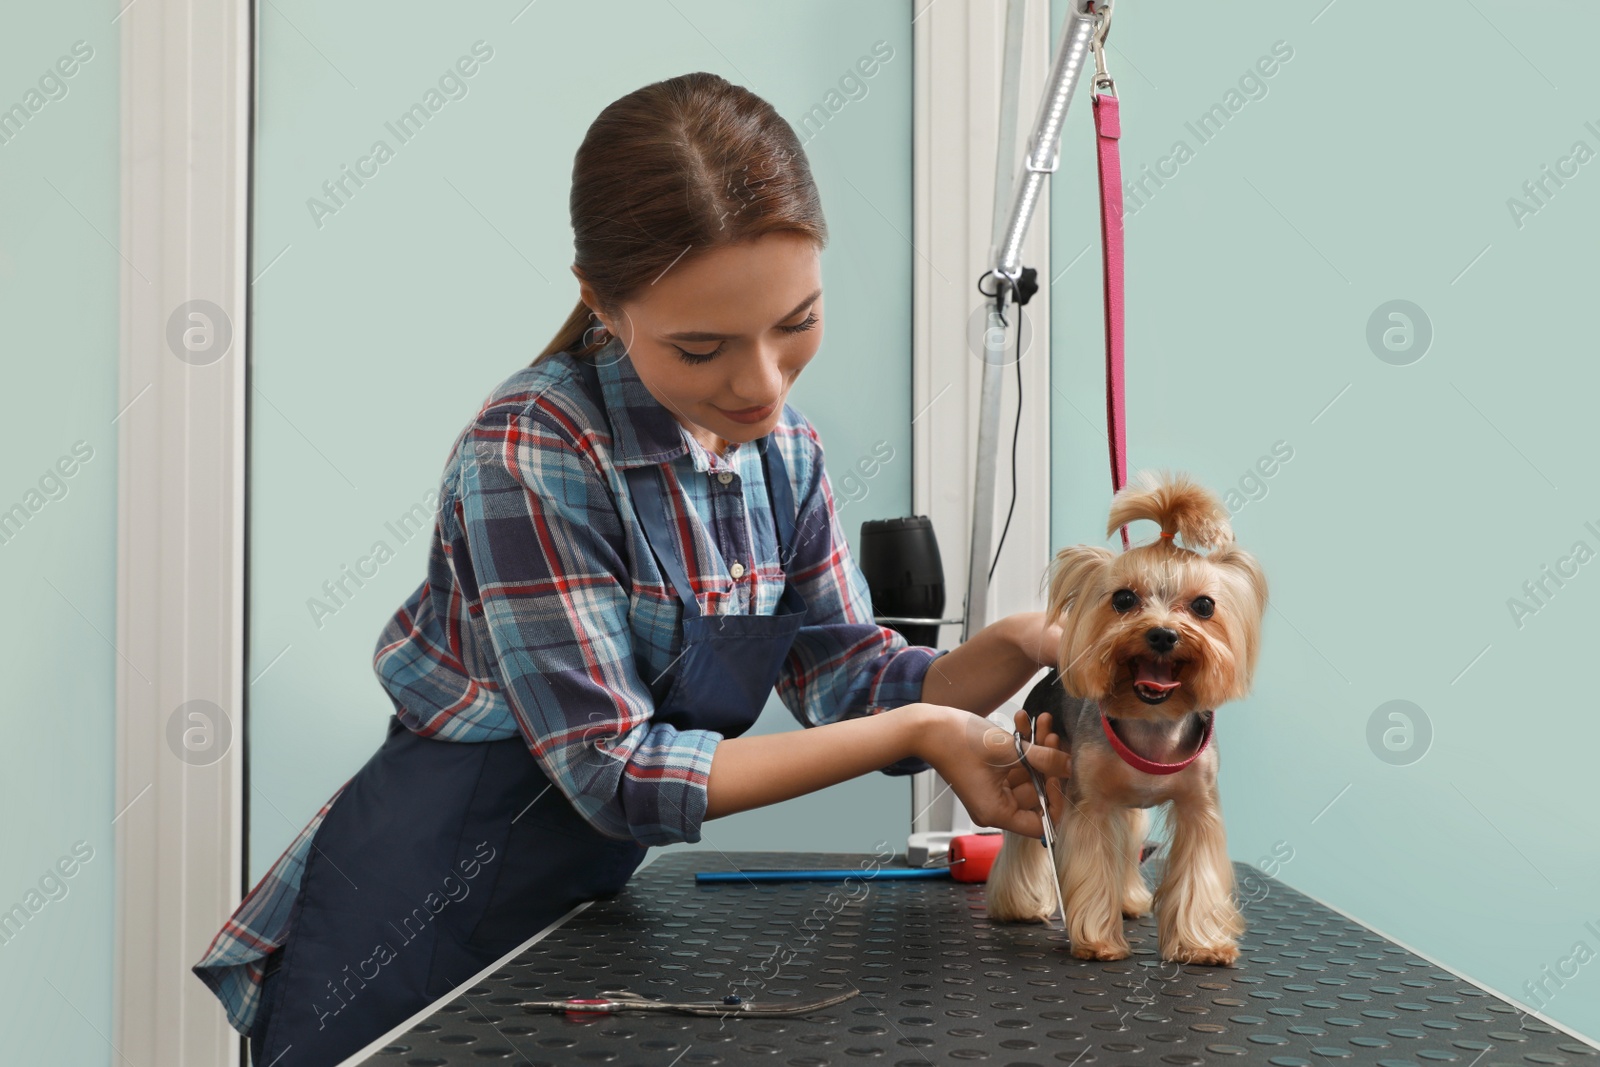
1154	674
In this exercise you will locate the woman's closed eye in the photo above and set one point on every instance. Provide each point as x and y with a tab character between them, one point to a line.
702	357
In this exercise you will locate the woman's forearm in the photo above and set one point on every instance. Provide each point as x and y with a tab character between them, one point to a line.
751	772
977	676
984	672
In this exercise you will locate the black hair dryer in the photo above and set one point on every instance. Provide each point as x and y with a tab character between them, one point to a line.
900	560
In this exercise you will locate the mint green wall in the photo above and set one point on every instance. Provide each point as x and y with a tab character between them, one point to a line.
1377	166
377	333
59	275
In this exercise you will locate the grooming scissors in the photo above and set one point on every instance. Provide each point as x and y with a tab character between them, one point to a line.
612	1000
1048	838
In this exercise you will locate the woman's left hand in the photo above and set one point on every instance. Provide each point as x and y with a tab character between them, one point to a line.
1037	637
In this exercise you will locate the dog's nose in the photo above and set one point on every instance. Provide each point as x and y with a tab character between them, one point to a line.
1161	639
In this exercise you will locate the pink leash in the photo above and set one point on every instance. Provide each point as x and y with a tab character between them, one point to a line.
1107	128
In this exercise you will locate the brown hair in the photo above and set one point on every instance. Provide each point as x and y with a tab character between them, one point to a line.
680	166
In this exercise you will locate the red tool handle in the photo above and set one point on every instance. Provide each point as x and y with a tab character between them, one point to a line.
972	856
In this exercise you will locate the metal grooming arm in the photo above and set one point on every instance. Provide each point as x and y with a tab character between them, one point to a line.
1016	197
1043	155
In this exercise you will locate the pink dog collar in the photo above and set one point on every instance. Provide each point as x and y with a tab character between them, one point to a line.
1139	763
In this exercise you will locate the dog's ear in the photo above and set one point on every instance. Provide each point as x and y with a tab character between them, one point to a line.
1075	576
1249	578
1247	589
1070	573
1181	506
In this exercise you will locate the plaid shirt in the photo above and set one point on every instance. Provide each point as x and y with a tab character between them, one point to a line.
544	614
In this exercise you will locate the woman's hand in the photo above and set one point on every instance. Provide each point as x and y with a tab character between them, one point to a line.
1037	636
985	671
1054	788
979	760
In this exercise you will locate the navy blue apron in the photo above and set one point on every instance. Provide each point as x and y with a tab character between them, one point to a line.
440	856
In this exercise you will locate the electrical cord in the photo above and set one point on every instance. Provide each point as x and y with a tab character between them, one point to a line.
1024	288
1016	428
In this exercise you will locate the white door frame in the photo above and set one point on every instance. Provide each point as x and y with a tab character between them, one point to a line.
186	93
958	49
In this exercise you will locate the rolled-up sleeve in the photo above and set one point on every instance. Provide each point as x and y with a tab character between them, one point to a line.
843	665
541	525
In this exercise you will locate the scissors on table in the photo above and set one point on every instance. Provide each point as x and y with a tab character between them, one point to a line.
613	1000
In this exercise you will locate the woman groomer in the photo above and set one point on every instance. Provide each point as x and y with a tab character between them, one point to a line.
635	541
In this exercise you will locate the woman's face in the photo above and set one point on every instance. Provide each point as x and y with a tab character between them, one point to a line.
719	337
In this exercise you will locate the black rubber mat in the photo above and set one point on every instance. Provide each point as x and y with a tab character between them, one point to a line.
940	984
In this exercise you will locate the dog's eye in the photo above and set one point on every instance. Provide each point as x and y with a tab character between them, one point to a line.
1203	606
1124	600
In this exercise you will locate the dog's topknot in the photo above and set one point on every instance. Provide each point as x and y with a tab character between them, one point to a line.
1180	504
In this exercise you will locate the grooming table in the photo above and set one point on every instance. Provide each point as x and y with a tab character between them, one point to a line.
941	984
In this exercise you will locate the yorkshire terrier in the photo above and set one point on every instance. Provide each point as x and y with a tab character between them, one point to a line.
1153	641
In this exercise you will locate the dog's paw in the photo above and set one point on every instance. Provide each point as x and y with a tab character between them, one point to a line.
1215	954
1100	950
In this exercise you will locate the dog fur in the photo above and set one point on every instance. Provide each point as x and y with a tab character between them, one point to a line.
1118	652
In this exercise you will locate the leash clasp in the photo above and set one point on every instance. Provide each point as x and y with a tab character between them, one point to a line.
1097	44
